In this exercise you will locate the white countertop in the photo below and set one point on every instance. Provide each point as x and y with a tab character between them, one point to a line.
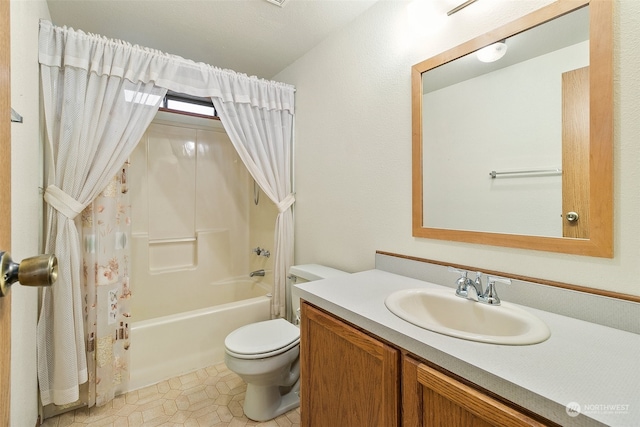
596	366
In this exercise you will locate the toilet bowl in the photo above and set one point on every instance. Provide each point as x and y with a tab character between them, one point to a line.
266	355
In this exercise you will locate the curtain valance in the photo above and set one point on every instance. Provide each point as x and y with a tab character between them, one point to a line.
66	47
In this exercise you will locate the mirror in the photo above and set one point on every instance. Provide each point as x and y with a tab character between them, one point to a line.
518	152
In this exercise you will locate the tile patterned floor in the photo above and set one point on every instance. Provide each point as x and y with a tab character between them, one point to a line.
207	397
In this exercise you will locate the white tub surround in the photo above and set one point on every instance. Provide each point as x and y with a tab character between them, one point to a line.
592	364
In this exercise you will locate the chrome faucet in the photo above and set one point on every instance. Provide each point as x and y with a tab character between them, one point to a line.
261	252
256	273
464	284
489	296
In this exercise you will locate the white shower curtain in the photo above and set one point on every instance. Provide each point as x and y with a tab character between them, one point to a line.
261	138
99	97
93	123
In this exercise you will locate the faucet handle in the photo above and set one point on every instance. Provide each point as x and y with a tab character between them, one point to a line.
490	296
261	252
462	281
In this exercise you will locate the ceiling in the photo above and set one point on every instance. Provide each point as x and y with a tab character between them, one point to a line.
254	37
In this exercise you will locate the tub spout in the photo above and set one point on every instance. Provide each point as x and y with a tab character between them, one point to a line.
256	273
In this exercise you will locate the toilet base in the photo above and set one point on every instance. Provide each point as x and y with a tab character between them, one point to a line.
263	403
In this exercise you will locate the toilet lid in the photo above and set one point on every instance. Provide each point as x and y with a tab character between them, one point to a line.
262	339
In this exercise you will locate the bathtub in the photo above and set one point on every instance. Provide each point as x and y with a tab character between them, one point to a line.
172	345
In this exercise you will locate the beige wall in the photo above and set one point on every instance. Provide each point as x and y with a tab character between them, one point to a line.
353	149
26	211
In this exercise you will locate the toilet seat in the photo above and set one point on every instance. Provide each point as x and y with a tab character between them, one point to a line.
262	339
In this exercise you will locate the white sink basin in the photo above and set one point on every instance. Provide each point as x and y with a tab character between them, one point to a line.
440	310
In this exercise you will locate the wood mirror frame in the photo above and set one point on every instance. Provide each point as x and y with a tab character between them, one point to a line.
600	241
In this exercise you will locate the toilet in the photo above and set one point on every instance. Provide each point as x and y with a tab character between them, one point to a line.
266	354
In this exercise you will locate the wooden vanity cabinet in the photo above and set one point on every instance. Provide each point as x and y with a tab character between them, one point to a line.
432	398
352	379
348	378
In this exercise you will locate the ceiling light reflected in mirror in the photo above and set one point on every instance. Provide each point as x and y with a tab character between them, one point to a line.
492	52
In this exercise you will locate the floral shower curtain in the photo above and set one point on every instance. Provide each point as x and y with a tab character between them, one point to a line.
106	232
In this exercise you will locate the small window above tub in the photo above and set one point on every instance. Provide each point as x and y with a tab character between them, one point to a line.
191	105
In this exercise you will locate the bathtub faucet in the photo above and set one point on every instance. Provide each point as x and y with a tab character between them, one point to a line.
256	273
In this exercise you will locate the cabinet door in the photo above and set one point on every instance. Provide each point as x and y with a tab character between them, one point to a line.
348	378
431	398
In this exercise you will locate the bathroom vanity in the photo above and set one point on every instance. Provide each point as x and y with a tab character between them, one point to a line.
353	378
362	365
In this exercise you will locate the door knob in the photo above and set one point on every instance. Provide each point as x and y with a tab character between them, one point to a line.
41	270
572	216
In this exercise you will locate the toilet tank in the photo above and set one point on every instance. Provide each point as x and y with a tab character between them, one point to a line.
301	274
